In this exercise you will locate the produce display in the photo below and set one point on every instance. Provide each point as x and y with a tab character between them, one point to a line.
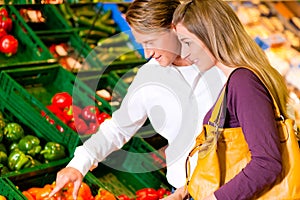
96	26
84	120
20	149
85	193
55	40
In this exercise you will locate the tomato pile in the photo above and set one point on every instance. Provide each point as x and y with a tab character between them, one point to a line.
147	194
84	120
8	43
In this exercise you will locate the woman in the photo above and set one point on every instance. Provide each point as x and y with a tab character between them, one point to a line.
212	35
163	91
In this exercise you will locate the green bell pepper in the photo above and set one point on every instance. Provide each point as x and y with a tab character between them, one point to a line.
13	146
30	145
3	157
3	154
13	132
19	160
3	148
1	135
3	169
53	151
2	123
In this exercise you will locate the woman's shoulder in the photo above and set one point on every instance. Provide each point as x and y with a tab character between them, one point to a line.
243	76
244	82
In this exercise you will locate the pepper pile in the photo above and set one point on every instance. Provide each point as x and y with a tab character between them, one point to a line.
8	43
84	120
84	193
19	150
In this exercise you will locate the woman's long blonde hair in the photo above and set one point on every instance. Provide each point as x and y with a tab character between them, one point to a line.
215	23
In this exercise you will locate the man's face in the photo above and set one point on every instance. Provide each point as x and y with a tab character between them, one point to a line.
163	46
194	50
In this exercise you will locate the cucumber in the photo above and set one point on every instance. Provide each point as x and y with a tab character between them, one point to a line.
65	11
93	34
109	22
85	12
106	15
115	40
98	25
121	49
128	56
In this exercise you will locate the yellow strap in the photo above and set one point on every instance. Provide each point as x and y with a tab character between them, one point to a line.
217	108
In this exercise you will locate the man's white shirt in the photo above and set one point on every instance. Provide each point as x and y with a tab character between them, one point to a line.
174	99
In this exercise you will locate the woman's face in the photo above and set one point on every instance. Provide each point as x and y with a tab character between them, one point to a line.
194	50
163	46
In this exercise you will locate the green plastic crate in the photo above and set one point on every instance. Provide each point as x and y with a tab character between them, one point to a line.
12	114
79	50
104	55
146	163
109	84
31	49
115	172
29	90
9	190
54	21
123	77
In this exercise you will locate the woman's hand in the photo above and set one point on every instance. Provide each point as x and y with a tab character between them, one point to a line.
179	194
66	175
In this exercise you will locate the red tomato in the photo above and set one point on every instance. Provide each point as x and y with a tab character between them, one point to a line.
102	117
123	197
92	128
8	45
62	100
80	125
147	194
3	11
90	113
2	32
6	23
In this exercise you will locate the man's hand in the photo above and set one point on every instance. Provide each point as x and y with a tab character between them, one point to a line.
179	194
66	175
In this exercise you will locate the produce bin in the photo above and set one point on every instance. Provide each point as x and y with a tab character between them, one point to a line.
40	180
70	51
124	76
11	113
9	190
122	23
33	89
118	172
105	82
42	19
31	49
108	25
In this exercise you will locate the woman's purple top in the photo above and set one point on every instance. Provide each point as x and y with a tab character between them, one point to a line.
250	106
